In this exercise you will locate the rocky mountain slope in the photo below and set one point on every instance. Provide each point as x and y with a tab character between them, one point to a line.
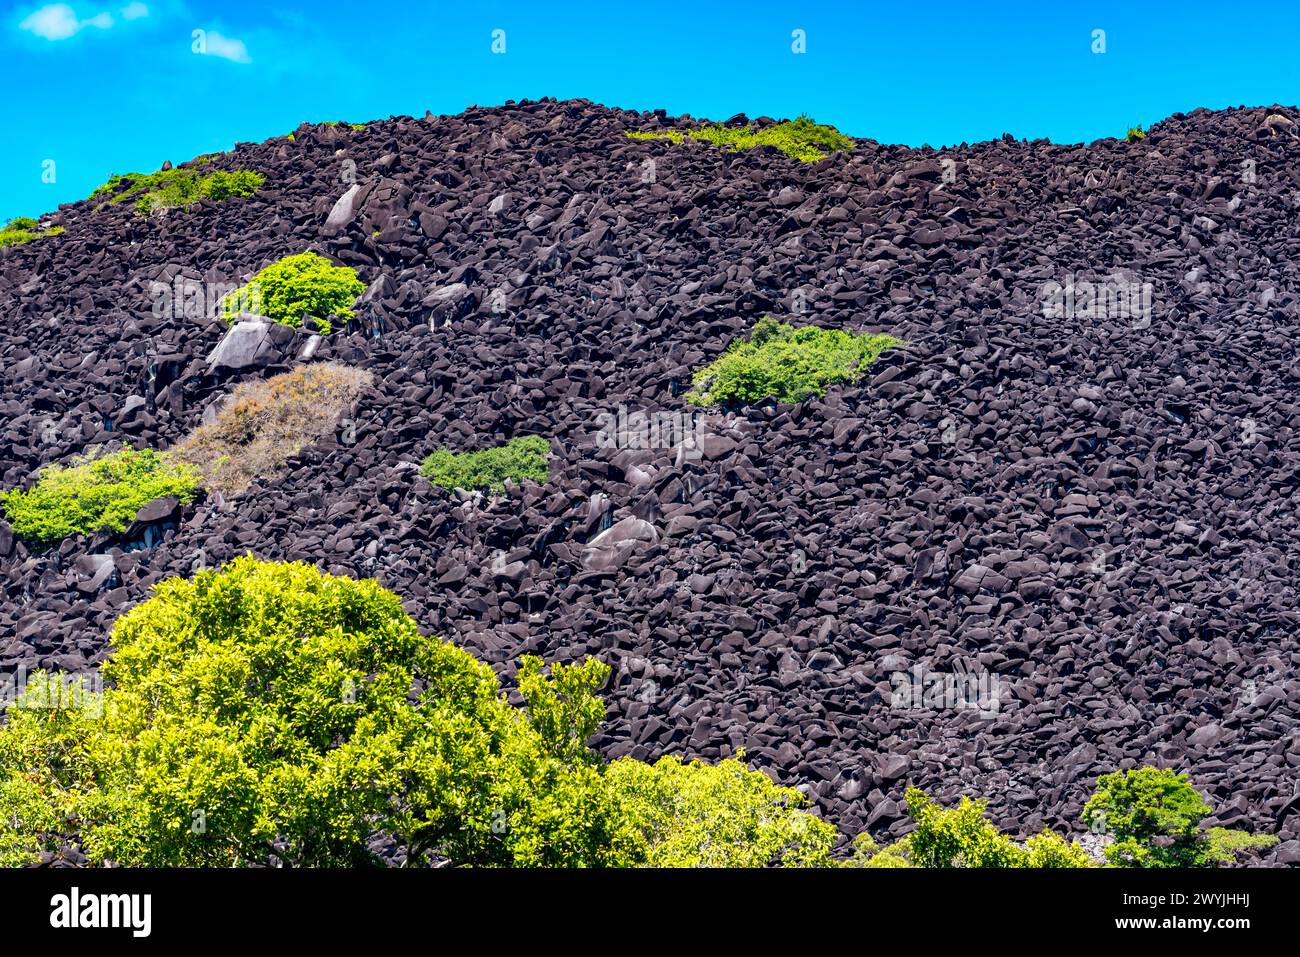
1093	511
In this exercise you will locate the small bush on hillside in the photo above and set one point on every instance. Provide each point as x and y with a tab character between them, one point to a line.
1134	134
178	188
24	229
724	815
786	363
296	287
265	423
521	458
95	494
672	136
963	837
802	139
1154	815
269	713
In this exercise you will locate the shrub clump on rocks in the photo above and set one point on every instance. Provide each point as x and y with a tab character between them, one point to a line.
963	836
802	139
96	493
178	188
266	423
1154	816
487	469
304	286
24	229
786	363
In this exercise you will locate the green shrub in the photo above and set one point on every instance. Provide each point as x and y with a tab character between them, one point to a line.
724	815
1154	815
786	363
95	494
963	837
23	229
520	458
306	285
1134	134
802	139
867	853
271	713
672	136
178	188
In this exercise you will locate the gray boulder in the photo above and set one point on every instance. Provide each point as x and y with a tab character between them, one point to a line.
344	211
250	343
612	547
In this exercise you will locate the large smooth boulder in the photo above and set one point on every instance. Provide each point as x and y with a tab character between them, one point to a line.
250	343
612	547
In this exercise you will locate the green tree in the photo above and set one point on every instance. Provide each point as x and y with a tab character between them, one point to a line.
1154	815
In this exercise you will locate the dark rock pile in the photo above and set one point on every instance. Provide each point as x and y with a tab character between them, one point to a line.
1092	507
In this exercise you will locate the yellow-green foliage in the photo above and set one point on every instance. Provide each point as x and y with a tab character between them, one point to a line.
520	458
267	422
672	136
95	494
964	837
24	229
271	713
178	188
1135	133
305	285
786	363
802	139
724	815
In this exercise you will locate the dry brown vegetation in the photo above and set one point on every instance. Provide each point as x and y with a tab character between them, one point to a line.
264	424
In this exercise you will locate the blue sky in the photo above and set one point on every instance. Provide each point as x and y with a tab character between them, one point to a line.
103	86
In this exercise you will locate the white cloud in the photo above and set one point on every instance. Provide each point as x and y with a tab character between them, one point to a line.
228	48
58	21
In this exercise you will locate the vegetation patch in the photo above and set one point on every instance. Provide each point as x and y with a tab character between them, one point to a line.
269	713
1135	133
786	363
802	139
520	458
178	188
95	494
305	286
1154	815
964	837
266	423
672	136
23	229
724	815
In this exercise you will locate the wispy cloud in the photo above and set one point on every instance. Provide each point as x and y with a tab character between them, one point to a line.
212	43
59	21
